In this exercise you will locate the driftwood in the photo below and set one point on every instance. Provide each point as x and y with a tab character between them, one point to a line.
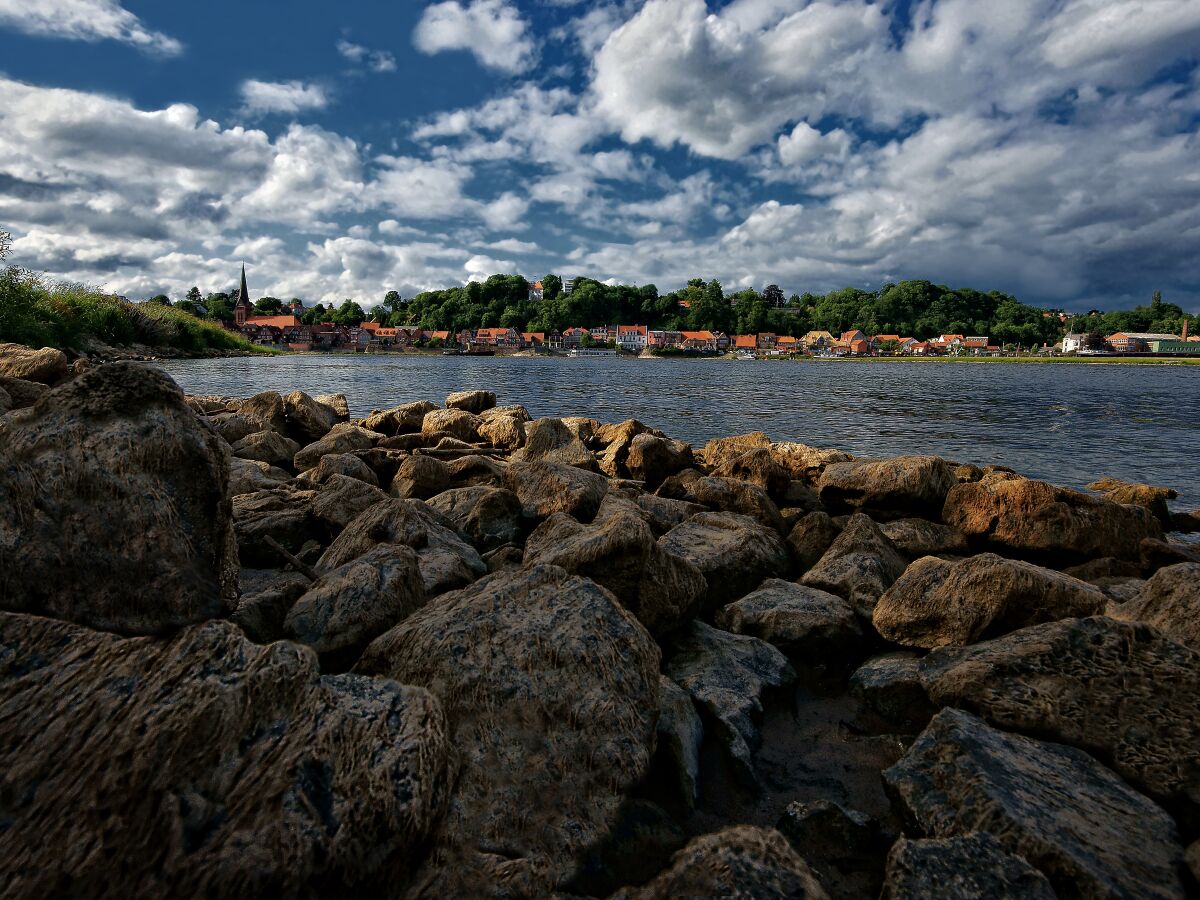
303	568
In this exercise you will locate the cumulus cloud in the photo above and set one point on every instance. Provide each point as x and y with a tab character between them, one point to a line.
85	20
375	60
492	30
260	98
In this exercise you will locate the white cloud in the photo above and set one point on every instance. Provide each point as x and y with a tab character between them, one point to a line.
284	97
85	20
492	30
375	60
506	212
806	144
479	267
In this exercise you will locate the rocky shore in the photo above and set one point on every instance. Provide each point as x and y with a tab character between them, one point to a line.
260	647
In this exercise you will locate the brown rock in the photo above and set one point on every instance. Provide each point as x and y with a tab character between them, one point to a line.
545	488
960	868
475	470
743	861
505	432
734	553
859	565
813	627
936	603
346	464
551	691
249	475
897	487
810	537
549	440
267	446
663	514
803	462
234	426
340	439
420	477
47	366
454	422
653	459
267	408
342	498
207	766
1170	601
398	420
489	516
718	451
336	404
22	393
471	401
728	495
920	537
307	420
759	467
114	506
680	733
1152	498
282	513
1036	519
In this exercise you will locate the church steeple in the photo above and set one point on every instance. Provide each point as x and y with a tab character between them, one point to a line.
242	308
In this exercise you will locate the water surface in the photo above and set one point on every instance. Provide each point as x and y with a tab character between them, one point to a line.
1064	423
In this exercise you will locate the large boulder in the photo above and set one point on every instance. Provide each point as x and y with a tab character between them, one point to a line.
344	438
267	446
920	537
727	675
1170	601
803	462
267	409
734	553
545	488
307	420
420	477
207	766
445	560
403	419
1041	521
759	467
960	868
616	441
897	487
1151	497
727	495
489	516
336	404
551	441
811	626
506	432
859	565
810	537
663	514
936	603
249	475
551	692
340	499
346	464
267	595
234	426
471	401
114	506
281	513
22	393
1120	691
353	604
652	459
47	366
620	553
1087	831
742	861
455	422
719	451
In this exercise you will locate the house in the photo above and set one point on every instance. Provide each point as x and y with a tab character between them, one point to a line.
664	339
1072	342
700	340
535	292
572	337
849	337
288	321
877	342
787	344
745	342
1136	342
920	348
497	337
632	337
554	340
533	339
767	340
860	347
442	335
816	341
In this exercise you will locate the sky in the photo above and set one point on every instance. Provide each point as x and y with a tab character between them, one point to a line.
1046	148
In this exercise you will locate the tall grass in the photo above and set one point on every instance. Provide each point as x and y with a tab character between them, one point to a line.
44	314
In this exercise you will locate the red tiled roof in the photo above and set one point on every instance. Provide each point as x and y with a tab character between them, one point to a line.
273	321
745	340
697	335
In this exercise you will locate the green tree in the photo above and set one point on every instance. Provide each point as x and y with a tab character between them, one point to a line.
348	314
772	295
551	288
314	315
160	299
193	296
5	244
268	306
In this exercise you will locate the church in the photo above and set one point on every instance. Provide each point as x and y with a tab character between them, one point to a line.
243	311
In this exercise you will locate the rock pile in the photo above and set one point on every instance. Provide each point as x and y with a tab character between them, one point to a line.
257	647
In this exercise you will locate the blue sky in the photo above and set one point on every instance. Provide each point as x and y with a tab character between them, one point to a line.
1048	148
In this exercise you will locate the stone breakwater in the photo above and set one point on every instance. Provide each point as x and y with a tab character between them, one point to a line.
255	646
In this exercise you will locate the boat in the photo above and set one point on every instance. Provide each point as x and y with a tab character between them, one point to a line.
744	354
585	351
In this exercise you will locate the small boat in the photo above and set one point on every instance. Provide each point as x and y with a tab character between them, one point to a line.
744	354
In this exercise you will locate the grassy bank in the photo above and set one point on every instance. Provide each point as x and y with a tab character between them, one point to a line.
43	314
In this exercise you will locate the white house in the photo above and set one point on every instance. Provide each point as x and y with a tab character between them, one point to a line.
1072	342
632	337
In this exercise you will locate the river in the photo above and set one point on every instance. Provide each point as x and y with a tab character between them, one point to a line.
1063	423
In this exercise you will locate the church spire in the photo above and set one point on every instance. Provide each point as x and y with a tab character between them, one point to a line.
242	307
243	294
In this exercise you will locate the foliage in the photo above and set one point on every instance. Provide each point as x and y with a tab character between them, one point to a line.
1156	317
42	314
268	306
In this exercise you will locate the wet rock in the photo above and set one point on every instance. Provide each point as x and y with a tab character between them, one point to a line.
346	464
822	830
267	446
471	401
1119	691
734	553
1170	601
249	475
1039	520
114	506
1087	831
47	366
897	487
489	516
341	498
960	868
920	537
742	861
727	675
455	422
551	441
680	733
445	560
265	603
859	565
803	462
403	419
281	513
936	603
810	538
757	466
663	514
727	495
551	692
336	404
22	393
1145	495
652	459
307	420
419	478
545	488
267	408
207	766
351	605
620	553
343	438
811	626
891	686
719	451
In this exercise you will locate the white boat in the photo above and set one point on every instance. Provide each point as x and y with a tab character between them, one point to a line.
744	354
